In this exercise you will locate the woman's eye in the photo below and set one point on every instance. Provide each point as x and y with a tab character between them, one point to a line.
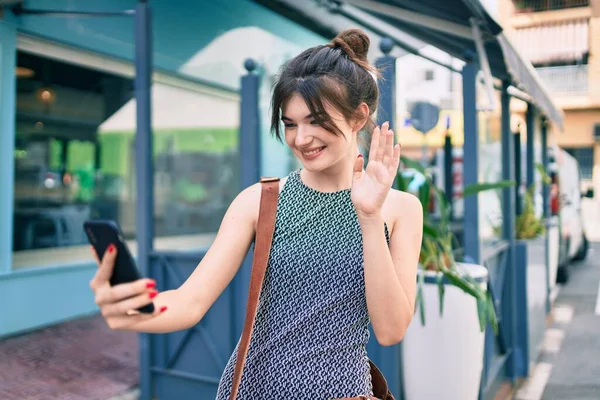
314	122
287	126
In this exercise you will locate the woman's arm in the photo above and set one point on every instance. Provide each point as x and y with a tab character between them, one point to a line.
186	305
390	272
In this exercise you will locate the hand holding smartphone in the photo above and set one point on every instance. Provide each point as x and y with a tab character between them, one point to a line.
104	233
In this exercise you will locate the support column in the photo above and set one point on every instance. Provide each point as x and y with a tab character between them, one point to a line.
386	110
250	162
518	173
8	50
546	208
545	186
471	161
509	300
449	173
388	359
249	126
144	170
530	121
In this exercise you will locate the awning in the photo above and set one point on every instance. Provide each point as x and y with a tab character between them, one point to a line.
450	25
326	24
565	41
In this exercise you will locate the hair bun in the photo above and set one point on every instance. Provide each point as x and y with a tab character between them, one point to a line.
354	42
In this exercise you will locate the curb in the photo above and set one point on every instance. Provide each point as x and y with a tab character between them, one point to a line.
533	387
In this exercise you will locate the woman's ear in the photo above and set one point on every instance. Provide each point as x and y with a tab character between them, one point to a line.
363	116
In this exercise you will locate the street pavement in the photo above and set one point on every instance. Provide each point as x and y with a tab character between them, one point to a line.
76	360
575	373
569	365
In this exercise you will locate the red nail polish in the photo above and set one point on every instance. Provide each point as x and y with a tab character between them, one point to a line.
111	248
359	156
153	294
163	308
150	285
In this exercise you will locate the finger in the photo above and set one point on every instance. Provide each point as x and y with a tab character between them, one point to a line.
397	152
358	167
395	160
374	144
93	281
107	265
122	307
123	321
95	255
124	291
383	140
389	147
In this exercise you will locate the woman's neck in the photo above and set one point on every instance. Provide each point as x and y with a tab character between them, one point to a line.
335	178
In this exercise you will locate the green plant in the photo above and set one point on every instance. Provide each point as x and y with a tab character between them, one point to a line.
440	245
527	224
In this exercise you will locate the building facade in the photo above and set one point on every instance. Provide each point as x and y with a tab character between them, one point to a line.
561	38
68	118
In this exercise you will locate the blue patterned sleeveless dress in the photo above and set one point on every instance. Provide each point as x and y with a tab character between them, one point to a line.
311	330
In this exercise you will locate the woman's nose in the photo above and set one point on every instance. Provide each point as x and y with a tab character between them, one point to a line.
302	137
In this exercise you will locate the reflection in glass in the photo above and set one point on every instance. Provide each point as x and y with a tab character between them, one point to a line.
490	171
75	158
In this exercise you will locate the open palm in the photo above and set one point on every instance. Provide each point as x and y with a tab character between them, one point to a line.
371	186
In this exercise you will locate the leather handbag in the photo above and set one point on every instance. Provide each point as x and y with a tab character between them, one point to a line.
262	249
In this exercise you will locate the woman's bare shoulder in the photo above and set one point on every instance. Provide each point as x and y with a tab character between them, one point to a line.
404	206
247	202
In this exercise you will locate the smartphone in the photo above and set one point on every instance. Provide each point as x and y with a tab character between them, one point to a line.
103	233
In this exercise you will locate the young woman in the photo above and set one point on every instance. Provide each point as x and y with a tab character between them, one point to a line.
345	248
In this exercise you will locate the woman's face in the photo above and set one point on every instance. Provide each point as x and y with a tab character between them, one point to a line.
317	148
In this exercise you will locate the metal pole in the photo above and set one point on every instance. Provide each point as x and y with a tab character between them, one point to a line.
530	121
386	110
448	173
8	62
518	173
545	187
19	10
471	161
389	359
144	170
250	156
509	314
249	126
546	207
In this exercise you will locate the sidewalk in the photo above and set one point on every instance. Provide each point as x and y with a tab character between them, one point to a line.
569	368
77	360
576	368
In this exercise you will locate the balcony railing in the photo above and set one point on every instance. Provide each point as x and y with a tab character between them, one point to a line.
525	6
569	80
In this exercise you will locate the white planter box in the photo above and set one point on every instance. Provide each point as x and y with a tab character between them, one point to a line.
444	358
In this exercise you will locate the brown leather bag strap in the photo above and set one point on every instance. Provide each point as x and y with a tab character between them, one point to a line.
262	249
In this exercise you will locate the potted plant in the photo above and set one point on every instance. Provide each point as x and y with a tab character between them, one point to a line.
453	304
534	273
530	229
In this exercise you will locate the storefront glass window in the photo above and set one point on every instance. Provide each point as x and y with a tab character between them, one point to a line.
490	169
75	160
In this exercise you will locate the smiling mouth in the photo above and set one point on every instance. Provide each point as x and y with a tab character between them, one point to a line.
312	152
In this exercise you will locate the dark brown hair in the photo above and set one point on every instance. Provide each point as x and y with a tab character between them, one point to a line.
337	74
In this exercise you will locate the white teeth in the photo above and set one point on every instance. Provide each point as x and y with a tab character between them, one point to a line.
315	151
